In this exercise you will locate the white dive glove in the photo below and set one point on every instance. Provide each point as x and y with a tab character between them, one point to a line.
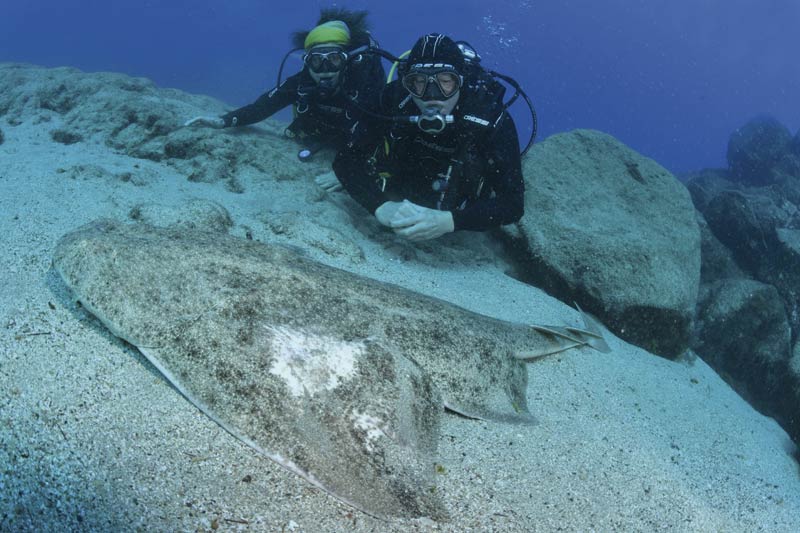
329	182
209	122
386	212
414	222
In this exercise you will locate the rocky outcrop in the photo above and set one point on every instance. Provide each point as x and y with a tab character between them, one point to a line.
707	184
717	260
615	232
749	309
744	334
789	404
761	229
134	117
199	214
759	152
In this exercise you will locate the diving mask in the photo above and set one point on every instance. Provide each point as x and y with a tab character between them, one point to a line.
330	59
432	85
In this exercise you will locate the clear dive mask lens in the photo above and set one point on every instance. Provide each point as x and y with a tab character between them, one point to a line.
434	86
333	61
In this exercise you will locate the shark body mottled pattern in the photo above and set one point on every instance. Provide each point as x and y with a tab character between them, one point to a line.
337	377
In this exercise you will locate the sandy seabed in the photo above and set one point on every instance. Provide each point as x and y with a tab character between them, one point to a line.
92	438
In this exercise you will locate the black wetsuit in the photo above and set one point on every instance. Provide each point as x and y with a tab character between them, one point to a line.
471	169
322	120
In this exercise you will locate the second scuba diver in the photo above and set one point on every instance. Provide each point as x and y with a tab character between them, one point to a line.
444	155
336	81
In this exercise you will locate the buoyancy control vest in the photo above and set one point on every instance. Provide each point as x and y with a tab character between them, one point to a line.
449	168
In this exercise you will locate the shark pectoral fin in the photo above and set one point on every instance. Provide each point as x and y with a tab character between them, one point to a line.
567	337
582	333
590	339
559	334
461	412
529	356
522	416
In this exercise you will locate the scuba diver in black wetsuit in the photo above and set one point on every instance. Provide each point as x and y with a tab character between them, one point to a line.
337	80
443	155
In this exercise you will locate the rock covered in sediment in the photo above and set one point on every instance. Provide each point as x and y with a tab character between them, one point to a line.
717	260
614	231
744	334
194	214
706	184
760	227
749	310
134	117
760	152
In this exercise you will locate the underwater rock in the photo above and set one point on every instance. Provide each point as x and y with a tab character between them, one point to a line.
743	332
706	184
760	229
794	363
789	402
136	118
615	232
756	149
65	137
794	146
2	137
717	261
295	228
88	171
199	214
744	222
753	242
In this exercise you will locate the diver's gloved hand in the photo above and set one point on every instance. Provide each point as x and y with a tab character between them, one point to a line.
386	212
417	223
209	122
329	182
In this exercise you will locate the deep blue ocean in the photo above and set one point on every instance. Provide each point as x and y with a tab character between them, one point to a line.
670	79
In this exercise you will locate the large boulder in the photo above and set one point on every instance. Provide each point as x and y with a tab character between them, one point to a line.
794	147
717	260
706	184
743	333
616	233
790	402
745	222
756	150
762	230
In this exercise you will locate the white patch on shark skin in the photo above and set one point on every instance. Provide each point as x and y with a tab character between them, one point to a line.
312	363
371	426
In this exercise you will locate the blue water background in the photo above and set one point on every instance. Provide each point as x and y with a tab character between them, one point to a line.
672	79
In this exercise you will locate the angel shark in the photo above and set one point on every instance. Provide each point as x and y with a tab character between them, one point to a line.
339	378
